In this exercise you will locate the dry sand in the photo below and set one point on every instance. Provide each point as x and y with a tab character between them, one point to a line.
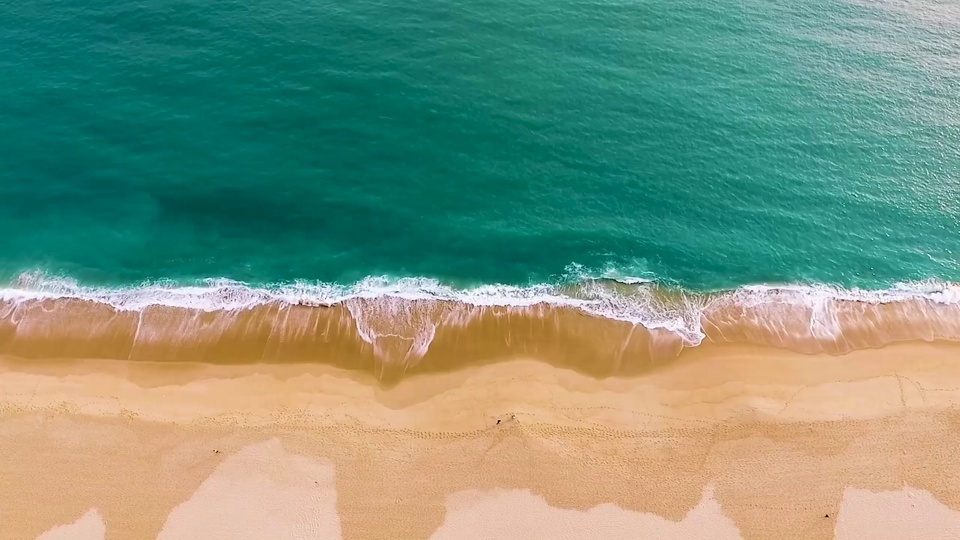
726	442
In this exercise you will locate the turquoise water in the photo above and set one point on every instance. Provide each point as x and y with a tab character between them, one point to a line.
706	143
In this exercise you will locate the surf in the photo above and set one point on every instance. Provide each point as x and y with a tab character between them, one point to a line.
397	327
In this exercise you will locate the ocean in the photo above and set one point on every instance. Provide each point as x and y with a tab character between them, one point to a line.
179	175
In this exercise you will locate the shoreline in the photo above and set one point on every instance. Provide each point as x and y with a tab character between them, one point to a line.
804	317
759	439
395	338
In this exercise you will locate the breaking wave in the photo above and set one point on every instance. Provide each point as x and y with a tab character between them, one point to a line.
604	325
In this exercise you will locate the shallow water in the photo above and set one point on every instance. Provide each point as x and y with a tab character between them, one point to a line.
451	161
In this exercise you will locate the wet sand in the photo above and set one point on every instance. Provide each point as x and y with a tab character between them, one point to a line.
725	441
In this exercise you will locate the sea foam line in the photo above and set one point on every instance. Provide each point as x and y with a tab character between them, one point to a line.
225	294
641	305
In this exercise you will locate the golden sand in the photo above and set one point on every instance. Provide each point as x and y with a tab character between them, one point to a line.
90	526
724	442
519	514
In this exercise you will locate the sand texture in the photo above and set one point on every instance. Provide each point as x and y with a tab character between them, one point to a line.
724	442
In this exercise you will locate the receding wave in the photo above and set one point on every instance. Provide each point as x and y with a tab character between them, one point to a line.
395	327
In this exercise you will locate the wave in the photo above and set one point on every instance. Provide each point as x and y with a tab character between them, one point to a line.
608	297
392	327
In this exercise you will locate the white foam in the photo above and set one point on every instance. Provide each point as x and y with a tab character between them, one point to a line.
810	295
641	305
394	319
631	280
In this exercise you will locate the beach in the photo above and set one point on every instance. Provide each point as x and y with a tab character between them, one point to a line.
724	441
487	269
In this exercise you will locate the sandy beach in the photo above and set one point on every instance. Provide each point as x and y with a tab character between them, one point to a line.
480	270
724	442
